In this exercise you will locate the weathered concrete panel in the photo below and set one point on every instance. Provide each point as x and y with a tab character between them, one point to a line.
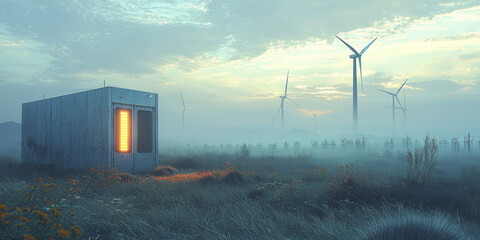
76	130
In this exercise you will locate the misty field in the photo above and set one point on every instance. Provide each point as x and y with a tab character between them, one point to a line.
326	191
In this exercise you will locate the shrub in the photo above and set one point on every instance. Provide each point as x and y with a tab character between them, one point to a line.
244	152
421	163
231	174
348	176
163	170
313	175
125	177
232	177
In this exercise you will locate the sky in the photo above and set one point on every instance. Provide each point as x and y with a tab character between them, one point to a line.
230	59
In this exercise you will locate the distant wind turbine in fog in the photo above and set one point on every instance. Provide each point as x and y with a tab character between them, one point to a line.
394	97
183	112
273	117
404	109
315	114
282	102
354	57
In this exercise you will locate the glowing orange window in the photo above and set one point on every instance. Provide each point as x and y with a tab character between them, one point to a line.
123	130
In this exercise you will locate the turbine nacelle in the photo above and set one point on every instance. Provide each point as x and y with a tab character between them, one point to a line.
354	56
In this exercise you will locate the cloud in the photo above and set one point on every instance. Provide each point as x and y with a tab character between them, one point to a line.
310	112
469	56
256	24
325	92
10	43
395	85
135	37
467	82
79	38
438	87
257	97
459	37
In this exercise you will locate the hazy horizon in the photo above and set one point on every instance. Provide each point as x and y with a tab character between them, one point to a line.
230	59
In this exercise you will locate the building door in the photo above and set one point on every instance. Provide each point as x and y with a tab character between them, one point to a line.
123	136
144	138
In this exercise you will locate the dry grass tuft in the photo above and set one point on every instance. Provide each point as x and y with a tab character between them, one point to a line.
163	170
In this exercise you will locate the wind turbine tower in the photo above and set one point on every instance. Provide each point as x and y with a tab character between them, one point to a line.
183	112
394	97
354	57
404	110
273	117
281	108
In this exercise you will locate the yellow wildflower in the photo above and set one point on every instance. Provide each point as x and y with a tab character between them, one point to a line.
56	212
76	231
28	237
44	215
62	233
4	215
3	206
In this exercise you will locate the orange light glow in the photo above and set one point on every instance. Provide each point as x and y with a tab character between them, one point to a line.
123	130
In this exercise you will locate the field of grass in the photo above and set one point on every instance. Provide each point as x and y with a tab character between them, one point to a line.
358	194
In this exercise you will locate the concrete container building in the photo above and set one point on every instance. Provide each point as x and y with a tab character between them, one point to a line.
106	127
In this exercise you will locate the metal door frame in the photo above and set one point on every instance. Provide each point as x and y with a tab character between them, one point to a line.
116	155
137	157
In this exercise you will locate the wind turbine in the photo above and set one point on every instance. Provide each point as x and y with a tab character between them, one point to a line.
394	97
282	102
354	57
273	117
404	109
183	112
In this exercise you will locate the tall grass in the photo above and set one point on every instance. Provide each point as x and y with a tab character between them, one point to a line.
261	197
403	223
422	163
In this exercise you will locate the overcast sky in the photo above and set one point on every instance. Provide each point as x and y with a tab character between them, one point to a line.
230	59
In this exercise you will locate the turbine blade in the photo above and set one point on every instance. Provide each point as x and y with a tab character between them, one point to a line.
360	63
398	102
385	91
366	47
292	101
182	100
351	48
401	86
286	84
280	108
